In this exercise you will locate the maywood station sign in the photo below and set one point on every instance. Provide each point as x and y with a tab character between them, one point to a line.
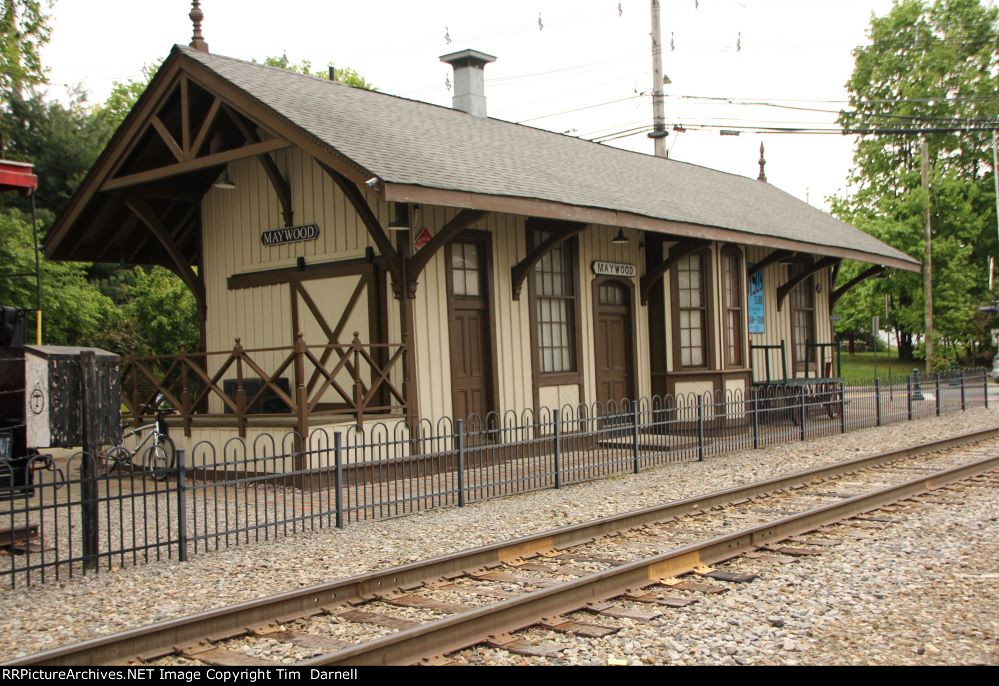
614	269
290	234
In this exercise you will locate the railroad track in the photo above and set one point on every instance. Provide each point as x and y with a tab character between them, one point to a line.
634	566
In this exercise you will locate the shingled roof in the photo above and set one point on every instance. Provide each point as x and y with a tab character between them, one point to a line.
428	153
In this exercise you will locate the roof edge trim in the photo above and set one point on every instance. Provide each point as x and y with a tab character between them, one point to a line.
591	215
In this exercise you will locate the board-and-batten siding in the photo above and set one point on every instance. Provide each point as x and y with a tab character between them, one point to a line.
232	222
778	322
509	322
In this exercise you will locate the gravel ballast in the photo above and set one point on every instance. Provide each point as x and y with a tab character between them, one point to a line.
57	613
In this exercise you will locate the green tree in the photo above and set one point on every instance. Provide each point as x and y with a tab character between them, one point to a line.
62	141
24	30
929	65
343	74
75	312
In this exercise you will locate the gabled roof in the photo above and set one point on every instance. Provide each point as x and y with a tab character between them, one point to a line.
437	155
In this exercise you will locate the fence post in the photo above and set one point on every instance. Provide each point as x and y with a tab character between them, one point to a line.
460	429
88	465
908	397
877	402
985	387
557	418
700	429
181	507
634	436
338	477
802	410
756	419
842	407
938	393
962	391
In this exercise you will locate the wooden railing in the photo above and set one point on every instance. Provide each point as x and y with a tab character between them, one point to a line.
335	379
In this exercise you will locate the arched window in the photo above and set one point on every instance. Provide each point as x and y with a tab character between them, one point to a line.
732	303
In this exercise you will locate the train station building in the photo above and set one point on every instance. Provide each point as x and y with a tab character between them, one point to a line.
358	257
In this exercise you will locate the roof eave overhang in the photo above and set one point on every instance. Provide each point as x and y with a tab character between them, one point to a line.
147	105
594	215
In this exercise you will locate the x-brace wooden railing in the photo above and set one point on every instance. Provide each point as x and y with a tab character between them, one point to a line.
353	383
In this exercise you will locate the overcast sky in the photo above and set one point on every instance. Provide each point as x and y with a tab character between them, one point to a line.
592	54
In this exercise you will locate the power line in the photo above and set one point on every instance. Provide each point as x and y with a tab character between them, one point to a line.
585	107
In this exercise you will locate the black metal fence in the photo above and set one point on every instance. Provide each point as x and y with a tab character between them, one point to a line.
54	523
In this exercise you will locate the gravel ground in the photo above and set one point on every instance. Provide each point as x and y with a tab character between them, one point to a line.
131	597
922	590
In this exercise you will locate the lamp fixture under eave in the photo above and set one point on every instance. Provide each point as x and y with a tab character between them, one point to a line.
620	238
224	182
401	220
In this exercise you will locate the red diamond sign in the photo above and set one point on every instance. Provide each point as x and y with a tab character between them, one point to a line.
422	239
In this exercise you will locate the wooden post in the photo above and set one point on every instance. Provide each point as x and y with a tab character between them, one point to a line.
355	348
241	409
301	401
90	411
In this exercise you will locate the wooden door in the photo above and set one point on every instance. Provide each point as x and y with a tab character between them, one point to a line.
471	340
612	343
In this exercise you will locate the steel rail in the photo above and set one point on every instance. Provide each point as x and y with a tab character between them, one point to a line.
162	637
475	626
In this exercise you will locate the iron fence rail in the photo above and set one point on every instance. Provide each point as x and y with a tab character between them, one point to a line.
241	492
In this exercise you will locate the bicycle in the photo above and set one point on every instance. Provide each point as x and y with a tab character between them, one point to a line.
159	458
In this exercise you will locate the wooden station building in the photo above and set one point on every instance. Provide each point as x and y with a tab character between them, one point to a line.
538	269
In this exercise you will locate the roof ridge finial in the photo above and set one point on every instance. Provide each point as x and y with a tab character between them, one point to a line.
763	162
196	15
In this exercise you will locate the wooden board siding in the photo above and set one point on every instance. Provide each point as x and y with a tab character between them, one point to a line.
778	323
233	221
510	318
559	396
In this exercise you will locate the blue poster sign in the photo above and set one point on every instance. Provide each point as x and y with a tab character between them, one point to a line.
757	319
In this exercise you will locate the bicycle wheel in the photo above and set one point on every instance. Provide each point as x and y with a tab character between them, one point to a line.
161	458
115	458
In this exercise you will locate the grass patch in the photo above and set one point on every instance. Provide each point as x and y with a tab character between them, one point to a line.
868	365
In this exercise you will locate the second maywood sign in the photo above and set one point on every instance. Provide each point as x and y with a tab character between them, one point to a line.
290	234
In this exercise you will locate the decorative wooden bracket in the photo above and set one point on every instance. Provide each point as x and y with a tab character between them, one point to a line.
835	295
280	184
520	270
448	232
678	251
145	213
798	278
354	196
195	164
775	256
187	151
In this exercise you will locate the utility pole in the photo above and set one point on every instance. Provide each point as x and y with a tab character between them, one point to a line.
927	259
995	173
658	133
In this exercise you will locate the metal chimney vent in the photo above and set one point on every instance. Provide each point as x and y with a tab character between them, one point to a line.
469	80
